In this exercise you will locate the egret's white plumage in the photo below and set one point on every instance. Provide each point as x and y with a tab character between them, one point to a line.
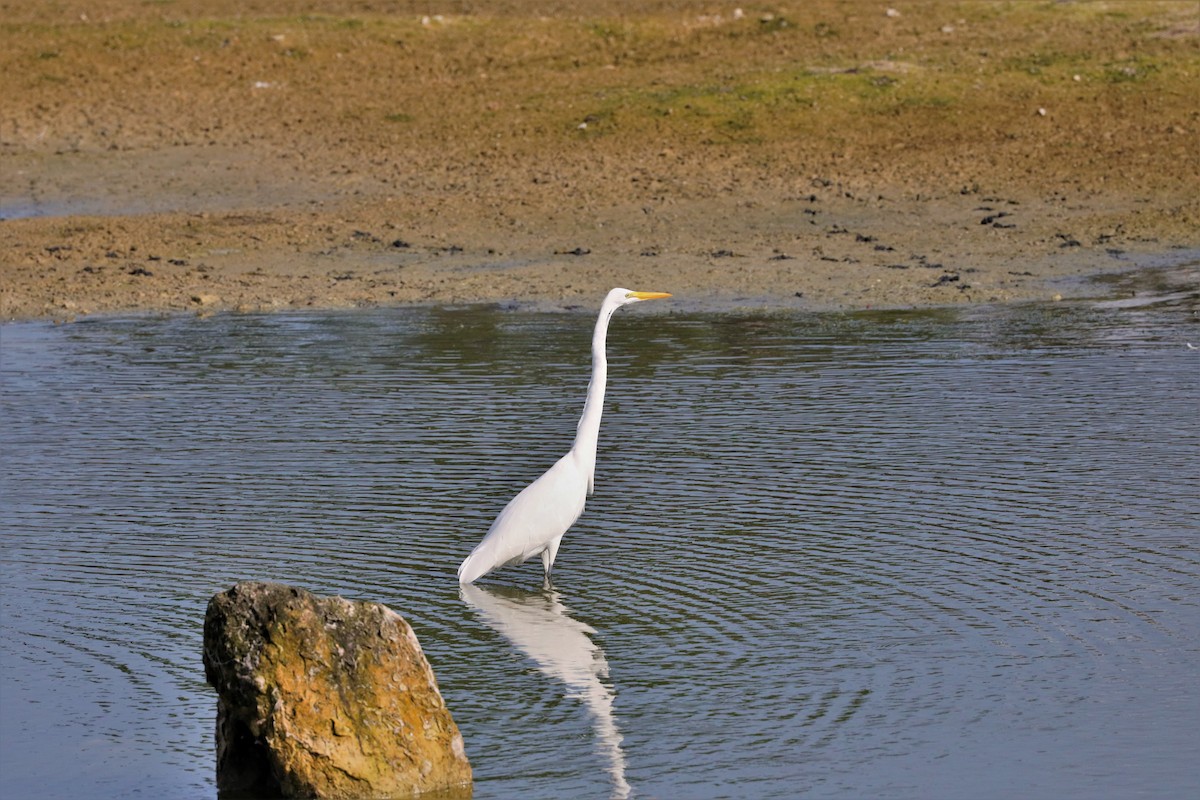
533	522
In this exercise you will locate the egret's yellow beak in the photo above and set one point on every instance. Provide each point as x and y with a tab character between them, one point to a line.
649	295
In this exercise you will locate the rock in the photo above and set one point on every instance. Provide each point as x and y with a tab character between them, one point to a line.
324	697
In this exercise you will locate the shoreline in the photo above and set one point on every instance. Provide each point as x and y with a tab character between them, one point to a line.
1155	279
833	254
213	156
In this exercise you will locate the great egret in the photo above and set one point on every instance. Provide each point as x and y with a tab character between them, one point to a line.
533	522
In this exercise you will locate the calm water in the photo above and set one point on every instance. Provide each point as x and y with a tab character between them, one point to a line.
912	555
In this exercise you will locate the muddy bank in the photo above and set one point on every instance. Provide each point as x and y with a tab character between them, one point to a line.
210	156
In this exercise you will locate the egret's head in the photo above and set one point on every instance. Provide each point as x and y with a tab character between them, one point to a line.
623	297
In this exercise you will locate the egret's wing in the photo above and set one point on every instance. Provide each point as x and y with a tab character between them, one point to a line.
542	512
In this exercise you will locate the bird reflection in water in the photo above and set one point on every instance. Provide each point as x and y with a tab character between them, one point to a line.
562	647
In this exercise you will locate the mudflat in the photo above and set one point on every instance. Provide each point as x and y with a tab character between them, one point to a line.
210	155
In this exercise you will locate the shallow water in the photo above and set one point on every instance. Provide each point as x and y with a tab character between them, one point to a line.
947	553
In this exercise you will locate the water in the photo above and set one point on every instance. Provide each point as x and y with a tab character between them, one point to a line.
936	554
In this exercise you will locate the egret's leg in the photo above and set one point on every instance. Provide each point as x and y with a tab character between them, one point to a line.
548	556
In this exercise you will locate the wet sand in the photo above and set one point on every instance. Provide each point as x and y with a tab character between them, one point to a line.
206	156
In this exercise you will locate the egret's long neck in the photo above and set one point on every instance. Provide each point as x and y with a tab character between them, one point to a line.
588	433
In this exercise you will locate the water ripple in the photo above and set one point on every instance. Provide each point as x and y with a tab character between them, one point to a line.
824	554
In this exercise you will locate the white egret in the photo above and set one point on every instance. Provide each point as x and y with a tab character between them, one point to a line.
534	522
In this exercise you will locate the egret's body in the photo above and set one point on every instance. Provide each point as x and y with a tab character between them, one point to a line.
534	522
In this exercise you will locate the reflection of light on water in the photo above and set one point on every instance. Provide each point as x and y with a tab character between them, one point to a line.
562	647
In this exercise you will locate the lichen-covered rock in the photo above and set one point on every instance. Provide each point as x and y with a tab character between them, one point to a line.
324	697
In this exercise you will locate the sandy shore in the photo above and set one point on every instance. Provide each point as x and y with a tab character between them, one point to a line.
205	156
